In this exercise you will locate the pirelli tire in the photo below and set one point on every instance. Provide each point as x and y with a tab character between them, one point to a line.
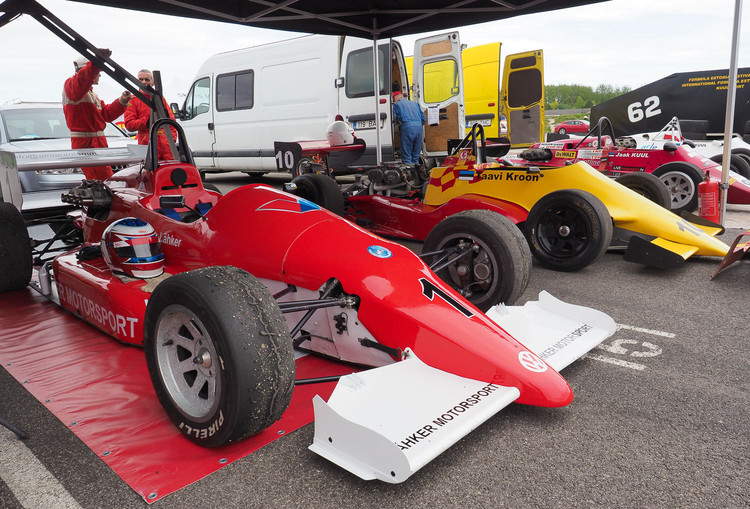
321	190
648	186
15	250
682	181
737	163
568	230
498	267
219	354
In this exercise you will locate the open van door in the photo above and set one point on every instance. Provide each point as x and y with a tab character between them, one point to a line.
197	120
356	101
482	92
438	88
522	97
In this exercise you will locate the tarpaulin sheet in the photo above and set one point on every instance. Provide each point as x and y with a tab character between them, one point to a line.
101	390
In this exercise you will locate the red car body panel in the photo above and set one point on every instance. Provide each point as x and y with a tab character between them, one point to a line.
412	219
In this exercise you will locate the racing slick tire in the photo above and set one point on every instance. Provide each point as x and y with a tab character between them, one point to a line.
568	229
15	250
219	354
648	186
743	154
682	181
499	268
736	163
321	190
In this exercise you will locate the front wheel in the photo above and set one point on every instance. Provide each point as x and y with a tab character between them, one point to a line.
682	181
219	354
482	255
568	230
562	131
648	186
15	250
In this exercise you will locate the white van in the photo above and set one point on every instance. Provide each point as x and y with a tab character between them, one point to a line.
242	101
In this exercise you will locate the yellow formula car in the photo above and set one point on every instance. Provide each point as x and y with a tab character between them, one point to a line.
569	215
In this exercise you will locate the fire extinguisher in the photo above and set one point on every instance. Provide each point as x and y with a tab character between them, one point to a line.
708	199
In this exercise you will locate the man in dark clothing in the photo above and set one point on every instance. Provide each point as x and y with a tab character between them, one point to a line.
412	118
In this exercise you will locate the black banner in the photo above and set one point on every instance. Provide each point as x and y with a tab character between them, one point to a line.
700	95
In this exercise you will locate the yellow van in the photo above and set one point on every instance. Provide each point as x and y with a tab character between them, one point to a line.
513	106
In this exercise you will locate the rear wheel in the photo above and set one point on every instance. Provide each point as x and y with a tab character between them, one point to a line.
321	190
568	230
15	250
482	255
219	354
647	186
682	181
562	130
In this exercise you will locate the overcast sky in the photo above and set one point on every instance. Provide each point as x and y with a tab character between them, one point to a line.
618	42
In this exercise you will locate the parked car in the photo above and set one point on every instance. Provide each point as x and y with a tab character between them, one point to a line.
572	126
40	126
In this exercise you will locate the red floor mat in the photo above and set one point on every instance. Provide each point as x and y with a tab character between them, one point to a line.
101	390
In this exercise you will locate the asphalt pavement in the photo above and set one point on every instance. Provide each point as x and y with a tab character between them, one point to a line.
660	418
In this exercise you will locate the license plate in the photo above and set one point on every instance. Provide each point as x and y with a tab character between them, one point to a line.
364	124
485	122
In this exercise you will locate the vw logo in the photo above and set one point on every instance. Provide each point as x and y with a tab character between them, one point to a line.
531	362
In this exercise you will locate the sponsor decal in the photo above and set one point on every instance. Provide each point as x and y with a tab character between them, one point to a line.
590	154
379	251
166	238
92	312
567	340
531	362
446	417
565	154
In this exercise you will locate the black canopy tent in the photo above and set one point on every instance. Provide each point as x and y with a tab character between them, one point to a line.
371	19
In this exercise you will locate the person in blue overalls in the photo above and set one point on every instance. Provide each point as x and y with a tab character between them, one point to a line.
412	118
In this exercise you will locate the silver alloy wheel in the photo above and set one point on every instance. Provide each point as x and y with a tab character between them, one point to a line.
188	362
681	188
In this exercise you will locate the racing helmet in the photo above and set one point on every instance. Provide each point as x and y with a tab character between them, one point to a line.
80	62
340	133
131	247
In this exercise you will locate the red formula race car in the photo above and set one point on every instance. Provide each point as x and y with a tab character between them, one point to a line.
220	291
679	167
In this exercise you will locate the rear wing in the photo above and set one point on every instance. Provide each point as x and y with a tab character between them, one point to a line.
11	163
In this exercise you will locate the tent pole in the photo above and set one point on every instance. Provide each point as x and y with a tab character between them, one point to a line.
376	94
729	116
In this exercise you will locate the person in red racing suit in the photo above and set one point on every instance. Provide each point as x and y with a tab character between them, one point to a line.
137	117
86	115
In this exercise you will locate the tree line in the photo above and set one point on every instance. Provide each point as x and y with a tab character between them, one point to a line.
567	97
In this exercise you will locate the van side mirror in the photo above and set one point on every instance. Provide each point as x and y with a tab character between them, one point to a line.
179	114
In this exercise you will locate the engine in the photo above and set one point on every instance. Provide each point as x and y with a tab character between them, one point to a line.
392	179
